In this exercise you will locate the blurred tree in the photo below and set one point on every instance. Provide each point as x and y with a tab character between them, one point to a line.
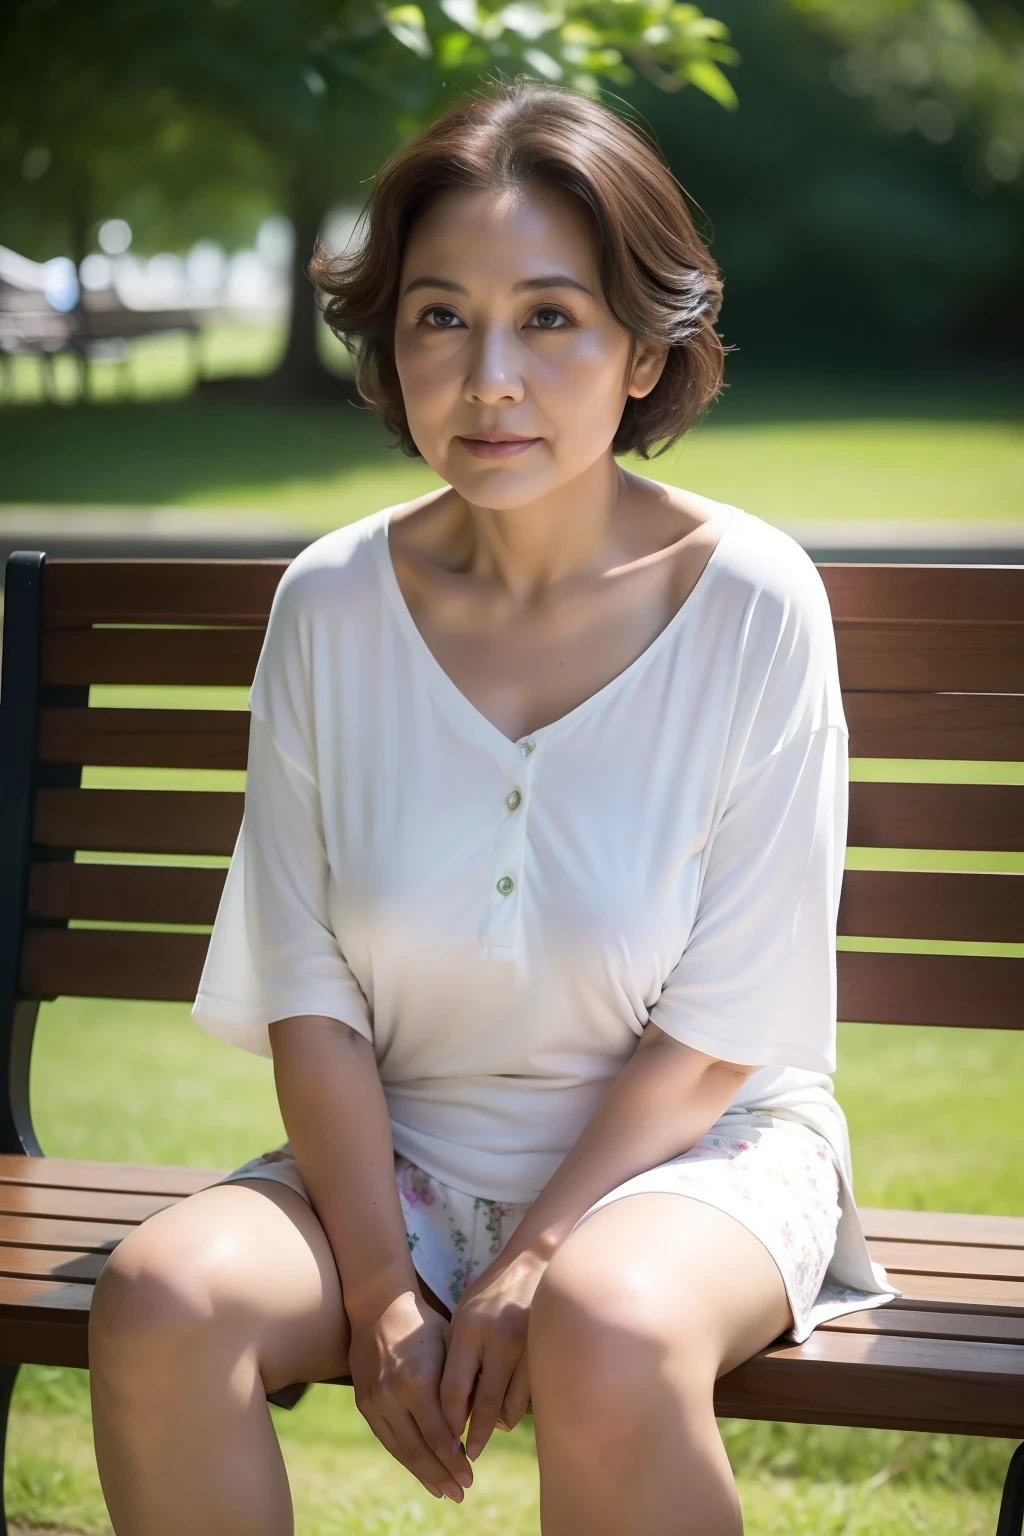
311	95
938	67
197	118
845	241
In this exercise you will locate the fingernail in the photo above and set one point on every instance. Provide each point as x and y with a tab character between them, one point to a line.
455	1448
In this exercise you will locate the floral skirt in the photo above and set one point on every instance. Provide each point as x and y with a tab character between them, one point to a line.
779	1179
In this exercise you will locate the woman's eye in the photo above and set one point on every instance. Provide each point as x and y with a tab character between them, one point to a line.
442	311
550	310
438	309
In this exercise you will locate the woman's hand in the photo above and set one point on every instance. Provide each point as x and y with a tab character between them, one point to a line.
488	1340
395	1361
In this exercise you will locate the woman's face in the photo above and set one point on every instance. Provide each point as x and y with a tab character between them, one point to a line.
502	328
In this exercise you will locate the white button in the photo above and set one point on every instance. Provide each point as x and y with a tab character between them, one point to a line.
505	884
528	747
512	800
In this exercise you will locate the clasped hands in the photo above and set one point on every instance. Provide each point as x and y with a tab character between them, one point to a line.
417	1376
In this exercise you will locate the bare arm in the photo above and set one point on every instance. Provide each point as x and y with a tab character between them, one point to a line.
660	1105
335	1113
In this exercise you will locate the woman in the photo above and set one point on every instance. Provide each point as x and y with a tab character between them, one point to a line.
534	901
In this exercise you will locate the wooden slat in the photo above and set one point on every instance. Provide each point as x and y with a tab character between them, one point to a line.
44	1322
52	1236
123	892
101	1208
969	658
80	592
203	657
29	1299
82	962
903	905
981	818
931	657
909	1258
979	1231
960	726
43	1264
924	593
962	992
886	656
883	1382
77	593
80	1173
958	1293
929	726
987	1328
145	738
138	820
955	991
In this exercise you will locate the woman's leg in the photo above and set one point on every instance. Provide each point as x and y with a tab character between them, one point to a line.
211	1303
642	1307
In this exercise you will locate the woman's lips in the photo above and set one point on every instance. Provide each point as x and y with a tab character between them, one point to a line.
505	450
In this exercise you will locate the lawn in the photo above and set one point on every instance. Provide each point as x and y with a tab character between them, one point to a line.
806	444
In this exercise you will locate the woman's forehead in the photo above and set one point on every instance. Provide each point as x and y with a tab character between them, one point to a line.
474	236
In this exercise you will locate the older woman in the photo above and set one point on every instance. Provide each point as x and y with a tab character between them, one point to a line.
534	902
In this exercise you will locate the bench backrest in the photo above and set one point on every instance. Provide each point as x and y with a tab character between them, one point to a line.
931	662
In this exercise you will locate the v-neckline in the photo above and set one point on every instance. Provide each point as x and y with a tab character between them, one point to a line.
476	723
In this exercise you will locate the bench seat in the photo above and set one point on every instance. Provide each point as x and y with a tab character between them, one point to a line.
948	1356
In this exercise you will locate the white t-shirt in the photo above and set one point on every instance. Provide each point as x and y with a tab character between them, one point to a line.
502	918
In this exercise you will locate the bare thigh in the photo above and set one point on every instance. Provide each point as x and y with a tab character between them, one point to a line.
253	1256
670	1272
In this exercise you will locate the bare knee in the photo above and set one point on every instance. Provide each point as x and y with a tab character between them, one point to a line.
605	1344
154	1310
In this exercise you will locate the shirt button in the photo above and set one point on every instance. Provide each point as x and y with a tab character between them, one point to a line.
512	800
528	747
505	884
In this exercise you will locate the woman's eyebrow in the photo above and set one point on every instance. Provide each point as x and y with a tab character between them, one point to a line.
528	284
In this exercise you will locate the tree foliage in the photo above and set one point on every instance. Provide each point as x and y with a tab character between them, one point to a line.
944	68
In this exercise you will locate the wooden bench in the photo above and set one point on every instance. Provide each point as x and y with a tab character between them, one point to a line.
932	666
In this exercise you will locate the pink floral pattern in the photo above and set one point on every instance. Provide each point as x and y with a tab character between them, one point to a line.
777	1177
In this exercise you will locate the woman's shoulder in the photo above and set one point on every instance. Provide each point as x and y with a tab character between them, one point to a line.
333	570
769	570
774	610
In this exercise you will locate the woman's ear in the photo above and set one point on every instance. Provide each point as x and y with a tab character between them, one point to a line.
648	366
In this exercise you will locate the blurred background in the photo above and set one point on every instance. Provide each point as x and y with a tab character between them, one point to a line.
166	386
856	165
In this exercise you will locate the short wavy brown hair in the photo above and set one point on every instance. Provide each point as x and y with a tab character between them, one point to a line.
659	280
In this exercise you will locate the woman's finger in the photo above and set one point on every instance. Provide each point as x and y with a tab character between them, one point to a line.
417	1457
458	1378
389	1440
425	1408
495	1375
517	1395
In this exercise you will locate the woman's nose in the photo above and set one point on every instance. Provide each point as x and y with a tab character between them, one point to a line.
496	365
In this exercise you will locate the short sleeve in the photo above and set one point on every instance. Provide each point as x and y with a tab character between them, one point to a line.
273	953
756	983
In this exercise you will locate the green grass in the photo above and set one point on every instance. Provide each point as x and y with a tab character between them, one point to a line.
807	445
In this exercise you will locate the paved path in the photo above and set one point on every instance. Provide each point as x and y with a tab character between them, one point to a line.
163	531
